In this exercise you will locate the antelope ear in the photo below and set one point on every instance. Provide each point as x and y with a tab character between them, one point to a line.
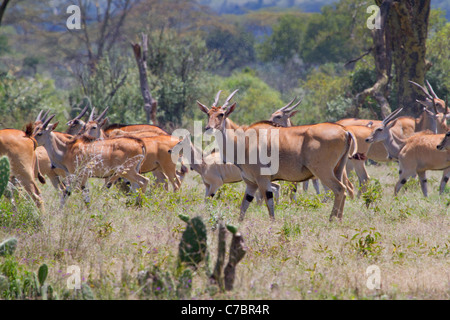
292	114
202	107
230	109
103	122
54	126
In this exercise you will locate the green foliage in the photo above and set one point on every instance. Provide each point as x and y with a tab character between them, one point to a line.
256	101
4	47
337	34
115	84
235	47
192	249
21	99
339	108
20	214
373	194
178	66
158	284
366	242
8	246
322	86
4	174
285	40
438	52
17	283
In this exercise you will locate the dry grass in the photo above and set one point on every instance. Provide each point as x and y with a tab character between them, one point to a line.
299	256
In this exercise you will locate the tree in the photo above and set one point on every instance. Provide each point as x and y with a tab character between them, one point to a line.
101	31
401	43
381	44
285	40
140	54
177	66
235	46
408	24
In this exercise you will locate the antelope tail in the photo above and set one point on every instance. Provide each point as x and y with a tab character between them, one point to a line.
37	170
183	170
144	154
353	144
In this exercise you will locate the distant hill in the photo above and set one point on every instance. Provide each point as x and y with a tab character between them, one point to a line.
244	6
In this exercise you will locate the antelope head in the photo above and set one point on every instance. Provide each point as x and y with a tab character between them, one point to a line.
76	124
444	145
282	115
217	115
381	132
42	132
432	100
94	125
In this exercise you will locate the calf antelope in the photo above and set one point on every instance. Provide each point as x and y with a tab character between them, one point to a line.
20	147
213	171
56	175
155	161
112	158
422	152
319	150
283	117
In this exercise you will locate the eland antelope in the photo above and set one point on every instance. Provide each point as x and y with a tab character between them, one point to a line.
85	157
283	117
213	171
20	148
319	150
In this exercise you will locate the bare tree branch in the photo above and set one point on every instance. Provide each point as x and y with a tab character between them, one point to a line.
140	53
3	9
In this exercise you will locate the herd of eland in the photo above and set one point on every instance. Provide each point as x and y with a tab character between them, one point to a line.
323	152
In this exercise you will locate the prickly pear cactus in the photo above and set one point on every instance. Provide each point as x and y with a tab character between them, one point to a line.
193	248
4	174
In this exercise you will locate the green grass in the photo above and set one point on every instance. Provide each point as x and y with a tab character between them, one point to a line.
301	255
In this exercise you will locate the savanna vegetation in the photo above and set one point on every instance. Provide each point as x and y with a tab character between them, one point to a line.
196	48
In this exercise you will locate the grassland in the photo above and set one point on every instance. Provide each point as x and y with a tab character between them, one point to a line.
301	255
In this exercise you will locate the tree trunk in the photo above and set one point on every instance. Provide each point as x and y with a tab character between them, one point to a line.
408	24
383	64
400	41
3	9
150	103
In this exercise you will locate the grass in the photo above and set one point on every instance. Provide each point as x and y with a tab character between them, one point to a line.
301	255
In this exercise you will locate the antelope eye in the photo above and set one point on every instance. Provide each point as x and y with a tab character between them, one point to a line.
378	129
447	134
39	134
